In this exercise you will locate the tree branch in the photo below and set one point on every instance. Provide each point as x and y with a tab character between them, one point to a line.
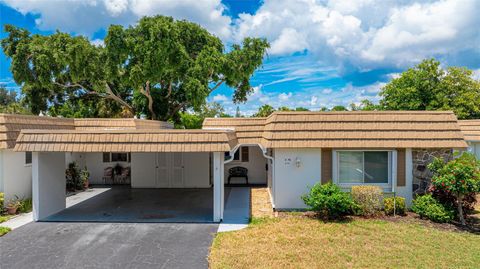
113	96
169	90
217	85
148	94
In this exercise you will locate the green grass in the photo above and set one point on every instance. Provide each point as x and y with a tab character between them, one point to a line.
4	218
4	230
299	242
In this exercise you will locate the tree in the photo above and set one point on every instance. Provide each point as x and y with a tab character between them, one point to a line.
10	103
460	177
264	111
301	109
195	120
237	113
339	108
429	87
156	68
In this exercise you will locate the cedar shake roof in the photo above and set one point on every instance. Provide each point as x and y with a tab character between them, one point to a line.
470	129
248	130
12	124
167	140
358	129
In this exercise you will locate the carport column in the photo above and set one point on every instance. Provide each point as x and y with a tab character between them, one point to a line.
218	188
48	183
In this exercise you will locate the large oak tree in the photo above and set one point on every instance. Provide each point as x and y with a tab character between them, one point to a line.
156	68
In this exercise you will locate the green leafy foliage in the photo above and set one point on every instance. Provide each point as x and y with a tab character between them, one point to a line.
329	201
25	205
427	207
4	230
399	207
10	103
459	177
264	111
368	200
156	68
429	87
2	200
194	120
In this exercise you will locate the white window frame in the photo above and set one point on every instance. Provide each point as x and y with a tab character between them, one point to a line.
392	169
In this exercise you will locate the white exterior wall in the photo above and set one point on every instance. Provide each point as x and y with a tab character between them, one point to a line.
406	191
291	182
2	171
196	171
48	184
17	176
94	163
257	174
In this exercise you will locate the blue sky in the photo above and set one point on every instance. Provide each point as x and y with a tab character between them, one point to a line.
323	53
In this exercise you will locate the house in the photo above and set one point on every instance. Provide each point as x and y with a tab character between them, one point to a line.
287	151
388	149
16	166
471	131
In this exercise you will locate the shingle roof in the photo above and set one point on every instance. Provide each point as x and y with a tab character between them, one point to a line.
359	129
248	130
11	124
470	129
166	140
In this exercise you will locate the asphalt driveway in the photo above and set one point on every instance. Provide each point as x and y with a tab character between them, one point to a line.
107	245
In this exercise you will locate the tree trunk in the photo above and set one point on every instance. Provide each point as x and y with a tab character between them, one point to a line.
148	94
460	209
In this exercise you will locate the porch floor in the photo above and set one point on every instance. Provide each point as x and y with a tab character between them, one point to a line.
124	204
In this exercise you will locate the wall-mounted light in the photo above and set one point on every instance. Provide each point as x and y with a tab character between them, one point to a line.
298	162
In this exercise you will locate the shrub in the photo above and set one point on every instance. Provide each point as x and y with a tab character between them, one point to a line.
399	208
25	206
427	207
459	177
2	201
447	199
368	200
328	200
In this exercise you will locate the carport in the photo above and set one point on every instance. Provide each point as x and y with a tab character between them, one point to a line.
156	171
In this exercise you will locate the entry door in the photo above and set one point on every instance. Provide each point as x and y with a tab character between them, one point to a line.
169	170
162	178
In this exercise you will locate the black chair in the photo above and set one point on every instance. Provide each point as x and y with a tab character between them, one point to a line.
238	171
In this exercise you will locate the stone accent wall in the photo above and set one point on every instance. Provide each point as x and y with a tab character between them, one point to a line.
421	174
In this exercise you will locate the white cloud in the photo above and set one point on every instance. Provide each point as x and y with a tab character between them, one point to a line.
220	98
327	91
366	33
98	42
89	16
313	100
284	96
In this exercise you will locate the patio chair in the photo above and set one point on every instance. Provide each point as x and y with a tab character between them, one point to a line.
238	171
124	176
108	175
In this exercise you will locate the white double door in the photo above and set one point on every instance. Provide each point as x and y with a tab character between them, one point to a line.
169	170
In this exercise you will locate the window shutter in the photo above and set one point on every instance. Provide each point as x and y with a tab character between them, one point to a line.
401	168
326	166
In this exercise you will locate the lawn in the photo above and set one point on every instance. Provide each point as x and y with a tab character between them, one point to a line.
301	242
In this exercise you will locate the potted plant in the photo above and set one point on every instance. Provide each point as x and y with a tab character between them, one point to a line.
12	206
84	177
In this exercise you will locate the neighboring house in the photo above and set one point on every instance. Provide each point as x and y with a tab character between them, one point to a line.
287	151
16	167
471	131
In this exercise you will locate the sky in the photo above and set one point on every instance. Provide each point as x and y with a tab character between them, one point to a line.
323	53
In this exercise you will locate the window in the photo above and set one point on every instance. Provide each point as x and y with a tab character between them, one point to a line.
236	156
106	157
244	154
116	157
359	167
28	157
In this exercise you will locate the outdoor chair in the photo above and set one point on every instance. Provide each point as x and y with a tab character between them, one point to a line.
108	175
238	171
124	176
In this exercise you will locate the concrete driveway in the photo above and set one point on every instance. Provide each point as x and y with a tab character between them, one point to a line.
107	245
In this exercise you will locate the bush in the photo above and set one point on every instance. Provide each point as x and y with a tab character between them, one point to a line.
427	207
25	206
399	207
328	200
2	201
449	200
368	200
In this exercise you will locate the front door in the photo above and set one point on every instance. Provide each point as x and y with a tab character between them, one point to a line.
169	170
